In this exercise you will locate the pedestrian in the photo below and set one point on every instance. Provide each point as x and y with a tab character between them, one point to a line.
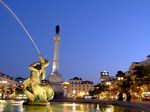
120	96
128	98
2	95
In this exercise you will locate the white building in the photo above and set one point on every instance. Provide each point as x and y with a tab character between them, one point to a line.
77	87
6	81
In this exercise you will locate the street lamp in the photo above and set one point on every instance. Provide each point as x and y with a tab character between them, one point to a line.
120	78
108	83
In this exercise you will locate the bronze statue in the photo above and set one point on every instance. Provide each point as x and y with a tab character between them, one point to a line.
57	29
32	86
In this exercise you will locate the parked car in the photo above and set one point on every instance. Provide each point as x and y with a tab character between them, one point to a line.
146	98
87	97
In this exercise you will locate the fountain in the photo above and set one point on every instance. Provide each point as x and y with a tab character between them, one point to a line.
37	94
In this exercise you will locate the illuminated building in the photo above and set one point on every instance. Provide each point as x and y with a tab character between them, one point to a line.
78	88
7	84
6	80
104	75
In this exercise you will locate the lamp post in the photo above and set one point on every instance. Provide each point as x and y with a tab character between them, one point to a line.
120	78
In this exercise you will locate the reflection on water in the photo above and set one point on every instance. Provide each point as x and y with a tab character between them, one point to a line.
38	109
74	107
14	106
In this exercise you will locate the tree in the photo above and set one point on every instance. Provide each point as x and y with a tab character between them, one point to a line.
120	74
127	84
140	72
147	77
142	75
98	89
19	90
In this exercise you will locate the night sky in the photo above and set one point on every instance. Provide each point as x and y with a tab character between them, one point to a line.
96	35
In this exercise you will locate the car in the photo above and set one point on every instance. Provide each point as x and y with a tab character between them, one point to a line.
87	97
146	98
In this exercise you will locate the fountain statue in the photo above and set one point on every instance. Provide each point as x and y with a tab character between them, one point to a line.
33	89
35	92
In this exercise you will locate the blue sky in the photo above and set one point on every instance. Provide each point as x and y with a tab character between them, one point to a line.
95	35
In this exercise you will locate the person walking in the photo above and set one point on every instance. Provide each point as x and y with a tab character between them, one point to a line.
120	96
128	98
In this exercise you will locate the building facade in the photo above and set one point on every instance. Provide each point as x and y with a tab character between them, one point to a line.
104	76
7	85
7	81
76	87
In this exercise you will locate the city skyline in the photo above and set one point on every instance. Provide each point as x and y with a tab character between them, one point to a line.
95	36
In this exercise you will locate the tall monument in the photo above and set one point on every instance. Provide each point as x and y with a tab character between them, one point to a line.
55	76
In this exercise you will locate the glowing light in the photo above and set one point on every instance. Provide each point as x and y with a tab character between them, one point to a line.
4	82
82	93
74	91
74	107
108	83
97	108
120	78
65	83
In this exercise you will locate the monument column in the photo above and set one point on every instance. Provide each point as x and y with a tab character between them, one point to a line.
55	66
55	76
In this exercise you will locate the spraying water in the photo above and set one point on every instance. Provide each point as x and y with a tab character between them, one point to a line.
24	28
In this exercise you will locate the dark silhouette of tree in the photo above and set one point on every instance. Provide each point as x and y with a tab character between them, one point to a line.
98	89
120	74
126	85
147	77
142	75
121	83
19	90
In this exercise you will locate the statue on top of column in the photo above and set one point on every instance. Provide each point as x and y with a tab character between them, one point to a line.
57	29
